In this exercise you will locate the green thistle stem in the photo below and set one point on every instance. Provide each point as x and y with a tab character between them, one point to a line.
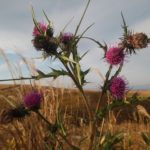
22	78
118	71
97	107
80	89
42	117
62	136
104	87
104	90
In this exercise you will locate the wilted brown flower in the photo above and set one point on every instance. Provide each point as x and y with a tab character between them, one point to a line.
135	41
8	115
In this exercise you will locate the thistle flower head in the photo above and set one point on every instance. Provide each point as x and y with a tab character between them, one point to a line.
33	100
117	87
39	28
66	37
115	55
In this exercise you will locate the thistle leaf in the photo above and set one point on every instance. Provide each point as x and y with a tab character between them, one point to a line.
67	24
84	32
67	59
56	73
40	72
102	112
49	22
110	139
104	47
81	19
83	74
124	26
34	20
83	55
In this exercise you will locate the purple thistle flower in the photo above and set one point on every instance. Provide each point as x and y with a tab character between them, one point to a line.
66	37
33	100
115	55
118	87
41	26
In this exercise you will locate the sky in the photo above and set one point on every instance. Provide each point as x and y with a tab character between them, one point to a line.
16	28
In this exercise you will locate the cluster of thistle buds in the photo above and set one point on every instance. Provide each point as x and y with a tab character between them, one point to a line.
43	38
45	41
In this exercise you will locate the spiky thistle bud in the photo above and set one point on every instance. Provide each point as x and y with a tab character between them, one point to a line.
66	37
43	43
49	32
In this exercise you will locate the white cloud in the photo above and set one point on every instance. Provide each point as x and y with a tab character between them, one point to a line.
142	26
3	67
13	39
16	30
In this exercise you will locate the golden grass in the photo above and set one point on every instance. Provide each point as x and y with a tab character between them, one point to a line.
31	134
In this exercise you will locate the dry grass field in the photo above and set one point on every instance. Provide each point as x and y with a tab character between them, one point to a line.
30	133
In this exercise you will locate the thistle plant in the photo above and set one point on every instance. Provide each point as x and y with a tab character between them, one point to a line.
64	48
